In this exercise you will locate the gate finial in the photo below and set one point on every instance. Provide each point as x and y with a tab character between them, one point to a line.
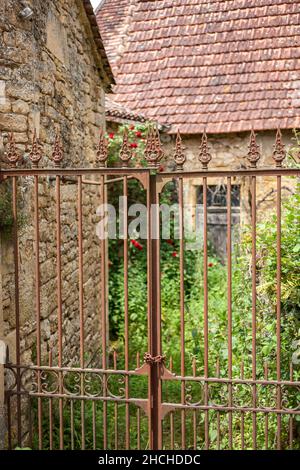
12	155
254	154
153	150
204	155
279	153
125	152
102	152
36	151
57	154
179	155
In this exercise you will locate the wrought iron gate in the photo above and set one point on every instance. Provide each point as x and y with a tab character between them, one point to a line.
54	403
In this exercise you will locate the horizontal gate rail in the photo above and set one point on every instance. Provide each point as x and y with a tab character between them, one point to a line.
144	171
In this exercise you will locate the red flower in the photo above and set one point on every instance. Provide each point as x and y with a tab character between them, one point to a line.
161	168
111	135
131	127
170	242
174	254
133	145
138	134
210	265
136	244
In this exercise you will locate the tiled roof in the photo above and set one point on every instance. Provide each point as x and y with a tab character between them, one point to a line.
221	64
98	40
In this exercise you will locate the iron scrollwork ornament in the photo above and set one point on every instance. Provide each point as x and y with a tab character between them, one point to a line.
194	393
116	386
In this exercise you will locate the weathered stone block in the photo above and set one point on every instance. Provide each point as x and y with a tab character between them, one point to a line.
20	107
13	122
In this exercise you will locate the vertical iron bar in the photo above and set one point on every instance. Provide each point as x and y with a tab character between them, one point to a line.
81	304
116	408
218	412
278	309
125	240
138	412
182	319
172	415
38	302
266	373
242	414
50	411
9	437
155	349
94	425
30	400
194	411
205	285
103	316
291	416
72	423
149	300
253	224
229	307
59	308
17	305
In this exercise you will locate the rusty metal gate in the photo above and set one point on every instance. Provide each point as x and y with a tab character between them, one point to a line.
54	402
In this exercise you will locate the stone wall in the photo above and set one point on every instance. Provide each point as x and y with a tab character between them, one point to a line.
49	79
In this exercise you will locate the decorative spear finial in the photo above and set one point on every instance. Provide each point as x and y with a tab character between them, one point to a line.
36	151
153	149
102	152
179	155
204	155
279	152
12	155
125	152
254	154
57	154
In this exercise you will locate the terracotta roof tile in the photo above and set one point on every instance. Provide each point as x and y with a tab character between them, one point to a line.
113	19
117	113
224	65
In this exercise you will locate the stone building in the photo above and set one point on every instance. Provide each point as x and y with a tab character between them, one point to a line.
54	73
220	66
